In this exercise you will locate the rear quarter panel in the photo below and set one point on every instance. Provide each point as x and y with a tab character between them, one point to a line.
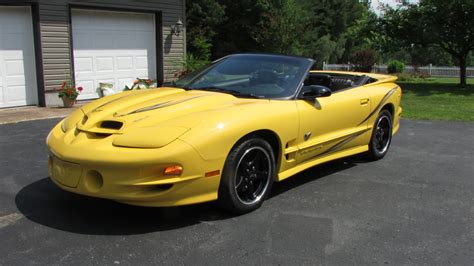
384	95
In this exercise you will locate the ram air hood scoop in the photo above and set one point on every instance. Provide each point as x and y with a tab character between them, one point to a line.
151	107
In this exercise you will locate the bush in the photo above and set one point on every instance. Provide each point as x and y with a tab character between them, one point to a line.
420	75
364	60
395	66
404	77
188	64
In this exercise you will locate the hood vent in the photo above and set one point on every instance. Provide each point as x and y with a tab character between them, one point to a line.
111	125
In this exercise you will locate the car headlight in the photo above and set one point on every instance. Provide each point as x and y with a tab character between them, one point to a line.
149	137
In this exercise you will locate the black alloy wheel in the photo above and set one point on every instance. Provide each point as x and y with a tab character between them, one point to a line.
248	176
381	136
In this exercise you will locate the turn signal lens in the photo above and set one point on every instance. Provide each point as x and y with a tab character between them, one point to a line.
173	170
212	173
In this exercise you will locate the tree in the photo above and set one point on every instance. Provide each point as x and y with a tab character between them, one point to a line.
202	19
281	27
362	35
337	26
235	34
446	24
425	55
326	30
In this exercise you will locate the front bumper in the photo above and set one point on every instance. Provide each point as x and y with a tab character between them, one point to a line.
133	176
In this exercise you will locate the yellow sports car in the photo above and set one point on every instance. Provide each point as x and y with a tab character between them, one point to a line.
225	132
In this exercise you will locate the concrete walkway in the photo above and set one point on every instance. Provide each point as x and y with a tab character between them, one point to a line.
27	113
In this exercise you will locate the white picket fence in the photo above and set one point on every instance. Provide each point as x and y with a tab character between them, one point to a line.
434	71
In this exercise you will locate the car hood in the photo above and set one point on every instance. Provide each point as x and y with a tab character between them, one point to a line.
128	111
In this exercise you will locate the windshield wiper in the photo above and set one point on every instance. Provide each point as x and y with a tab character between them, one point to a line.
229	91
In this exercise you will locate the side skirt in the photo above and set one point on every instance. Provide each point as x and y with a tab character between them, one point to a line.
319	160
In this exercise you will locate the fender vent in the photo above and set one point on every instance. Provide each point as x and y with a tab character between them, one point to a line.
111	125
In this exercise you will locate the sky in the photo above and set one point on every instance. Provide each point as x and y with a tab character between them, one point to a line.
377	3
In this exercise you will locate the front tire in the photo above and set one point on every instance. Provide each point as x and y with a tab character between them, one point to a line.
381	136
247	176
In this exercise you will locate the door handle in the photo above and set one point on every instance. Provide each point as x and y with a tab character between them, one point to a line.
364	101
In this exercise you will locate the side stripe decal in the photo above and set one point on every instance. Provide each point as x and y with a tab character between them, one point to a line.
381	103
341	143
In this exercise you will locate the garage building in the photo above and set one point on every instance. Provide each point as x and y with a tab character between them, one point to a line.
45	42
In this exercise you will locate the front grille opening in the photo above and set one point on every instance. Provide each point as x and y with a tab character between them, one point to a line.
157	188
111	124
102	135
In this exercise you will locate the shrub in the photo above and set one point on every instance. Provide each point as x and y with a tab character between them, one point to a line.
188	64
404	77
395	66
364	60
420	75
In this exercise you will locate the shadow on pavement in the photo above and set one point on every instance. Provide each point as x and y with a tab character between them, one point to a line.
315	173
44	203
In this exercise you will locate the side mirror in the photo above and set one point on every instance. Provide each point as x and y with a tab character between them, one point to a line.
312	92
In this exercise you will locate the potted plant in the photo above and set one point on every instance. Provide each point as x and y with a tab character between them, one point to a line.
68	93
106	88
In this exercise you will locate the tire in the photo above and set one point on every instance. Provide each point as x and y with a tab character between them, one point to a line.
381	136
247	177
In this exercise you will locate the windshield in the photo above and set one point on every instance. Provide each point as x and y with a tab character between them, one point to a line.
256	76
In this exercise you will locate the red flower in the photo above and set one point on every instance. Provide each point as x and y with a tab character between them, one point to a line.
69	92
64	84
148	81
80	89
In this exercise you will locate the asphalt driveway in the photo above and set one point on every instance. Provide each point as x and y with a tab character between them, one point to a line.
415	206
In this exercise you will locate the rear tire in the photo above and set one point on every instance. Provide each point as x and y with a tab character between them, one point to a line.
381	136
247	176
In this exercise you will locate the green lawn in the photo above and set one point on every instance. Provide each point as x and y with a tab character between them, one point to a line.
437	99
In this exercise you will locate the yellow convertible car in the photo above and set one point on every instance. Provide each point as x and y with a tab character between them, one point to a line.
225	132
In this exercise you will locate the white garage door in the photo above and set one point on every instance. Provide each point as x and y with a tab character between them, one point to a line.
17	58
112	47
